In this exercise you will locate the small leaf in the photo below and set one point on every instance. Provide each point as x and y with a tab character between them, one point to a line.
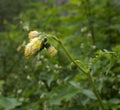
114	101
89	93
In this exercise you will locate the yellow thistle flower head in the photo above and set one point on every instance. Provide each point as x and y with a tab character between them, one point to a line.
52	51
28	50
33	47
33	34
37	44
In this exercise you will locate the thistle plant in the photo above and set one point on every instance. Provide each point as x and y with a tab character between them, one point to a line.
40	40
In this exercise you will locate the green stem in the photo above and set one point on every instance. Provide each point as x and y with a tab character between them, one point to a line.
67	53
95	91
69	56
83	70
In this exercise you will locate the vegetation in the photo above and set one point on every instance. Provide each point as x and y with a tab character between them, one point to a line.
74	59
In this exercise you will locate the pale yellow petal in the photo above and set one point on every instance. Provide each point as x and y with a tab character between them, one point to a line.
33	34
28	50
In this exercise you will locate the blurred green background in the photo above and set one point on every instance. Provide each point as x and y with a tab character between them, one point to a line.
90	30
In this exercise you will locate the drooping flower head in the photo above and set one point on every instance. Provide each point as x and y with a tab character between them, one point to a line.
52	51
33	47
37	43
33	34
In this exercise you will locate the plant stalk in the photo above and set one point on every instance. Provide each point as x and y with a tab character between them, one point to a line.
87	72
69	56
95	91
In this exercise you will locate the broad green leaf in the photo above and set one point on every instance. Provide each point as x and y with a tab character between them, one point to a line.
62	93
9	103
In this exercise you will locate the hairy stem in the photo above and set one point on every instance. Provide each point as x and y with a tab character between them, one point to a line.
87	72
69	56
95	91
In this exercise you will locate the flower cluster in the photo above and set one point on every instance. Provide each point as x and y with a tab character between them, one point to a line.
36	44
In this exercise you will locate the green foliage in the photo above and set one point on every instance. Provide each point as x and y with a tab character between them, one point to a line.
90	31
9	103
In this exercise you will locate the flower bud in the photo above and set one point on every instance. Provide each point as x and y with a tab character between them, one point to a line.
33	34
19	48
52	51
73	66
